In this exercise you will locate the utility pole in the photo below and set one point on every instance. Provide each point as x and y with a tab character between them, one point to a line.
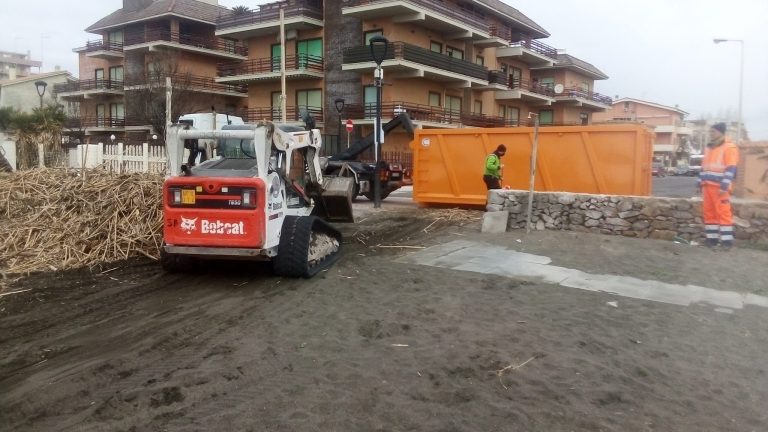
283	95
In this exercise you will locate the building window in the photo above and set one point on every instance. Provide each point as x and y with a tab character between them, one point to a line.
453	104
546	117
548	83
369	101
454	52
504	69
308	50
480	60
436	47
515	77
275	56
369	34
584	117
116	111
101	112
116	74
115	37
585	86
502	111
276	106
434	99
513	116
98	74
478	108
311	100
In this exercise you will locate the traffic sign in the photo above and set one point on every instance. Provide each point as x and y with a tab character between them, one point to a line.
350	126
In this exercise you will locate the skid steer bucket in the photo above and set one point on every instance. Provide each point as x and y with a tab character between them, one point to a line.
335	203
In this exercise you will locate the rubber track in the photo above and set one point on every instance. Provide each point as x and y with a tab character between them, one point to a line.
292	252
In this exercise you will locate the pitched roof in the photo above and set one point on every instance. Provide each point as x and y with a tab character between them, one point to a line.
567	61
193	9
653	104
36	77
510	12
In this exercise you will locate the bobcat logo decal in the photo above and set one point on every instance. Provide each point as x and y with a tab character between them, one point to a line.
188	225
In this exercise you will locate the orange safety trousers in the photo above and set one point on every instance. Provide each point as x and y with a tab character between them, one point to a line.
718	216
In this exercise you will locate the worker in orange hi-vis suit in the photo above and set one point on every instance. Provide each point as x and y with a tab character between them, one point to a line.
718	170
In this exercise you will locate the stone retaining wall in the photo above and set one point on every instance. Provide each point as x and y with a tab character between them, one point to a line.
644	217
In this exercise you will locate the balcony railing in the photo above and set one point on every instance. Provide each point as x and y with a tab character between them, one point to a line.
271	12
292	113
101	45
187	82
211	43
461	14
417	112
537	47
416	54
88	85
575	92
95	122
499	77
299	62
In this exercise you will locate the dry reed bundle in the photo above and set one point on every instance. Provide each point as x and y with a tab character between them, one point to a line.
53	219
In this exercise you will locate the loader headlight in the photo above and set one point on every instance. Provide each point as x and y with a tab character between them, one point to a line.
249	198
175	195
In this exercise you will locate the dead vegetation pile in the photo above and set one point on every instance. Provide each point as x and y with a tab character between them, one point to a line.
54	219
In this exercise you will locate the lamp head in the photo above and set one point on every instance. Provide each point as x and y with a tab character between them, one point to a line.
112	137
41	85
339	103
379	46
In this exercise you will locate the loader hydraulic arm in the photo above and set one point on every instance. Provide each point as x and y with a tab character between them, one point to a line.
402	120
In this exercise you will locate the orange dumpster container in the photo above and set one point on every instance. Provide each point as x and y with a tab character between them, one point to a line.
605	159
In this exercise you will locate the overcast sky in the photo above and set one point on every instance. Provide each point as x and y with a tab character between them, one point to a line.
656	50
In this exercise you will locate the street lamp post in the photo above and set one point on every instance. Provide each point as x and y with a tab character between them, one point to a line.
339	104
379	46
41	85
741	84
534	157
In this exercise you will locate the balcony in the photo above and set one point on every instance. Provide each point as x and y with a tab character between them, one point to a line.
454	22
87	89
410	61
214	46
421	115
299	15
96	124
531	52
584	98
292	114
534	94
300	66
188	82
100	49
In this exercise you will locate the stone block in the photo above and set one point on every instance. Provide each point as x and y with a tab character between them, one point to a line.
566	199
591	223
682	215
651	211
683	205
663	225
495	222
618	222
515	209
625	205
493	208
593	214
576	218
743	223
496	197
629	214
579	228
610	212
663	235
640	225
540	226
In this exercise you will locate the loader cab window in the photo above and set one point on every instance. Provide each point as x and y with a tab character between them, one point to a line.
236	149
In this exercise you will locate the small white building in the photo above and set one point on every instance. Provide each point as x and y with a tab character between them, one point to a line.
21	93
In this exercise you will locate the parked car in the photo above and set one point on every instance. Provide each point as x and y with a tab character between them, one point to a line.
658	170
681	170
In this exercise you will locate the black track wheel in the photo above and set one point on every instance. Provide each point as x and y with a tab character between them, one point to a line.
292	258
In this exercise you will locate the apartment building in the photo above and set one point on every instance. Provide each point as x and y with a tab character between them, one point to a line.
673	138
449	63
16	65
123	71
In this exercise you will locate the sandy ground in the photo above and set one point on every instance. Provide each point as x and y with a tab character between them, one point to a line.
378	345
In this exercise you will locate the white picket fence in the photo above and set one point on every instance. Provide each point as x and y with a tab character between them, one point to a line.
120	158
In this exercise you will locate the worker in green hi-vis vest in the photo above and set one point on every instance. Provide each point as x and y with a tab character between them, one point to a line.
492	174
